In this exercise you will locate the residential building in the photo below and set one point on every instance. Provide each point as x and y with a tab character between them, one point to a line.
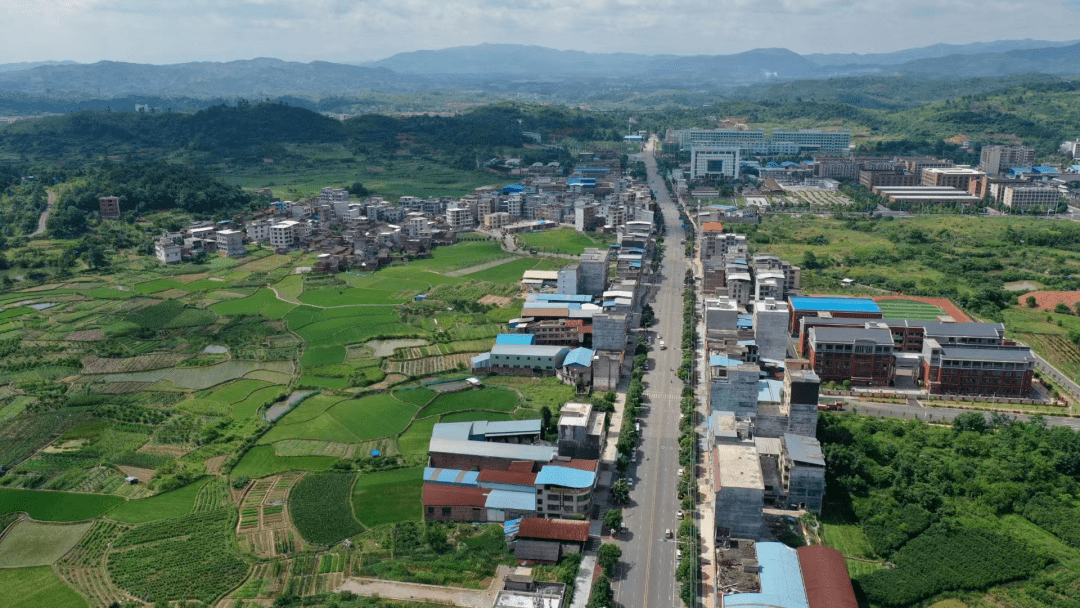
803	472
454	503
564	491
285	235
997	160
581	431
707	162
460	219
740	491
258	231
495	221
863	356
166	251
771	329
109	207
569	281
609	331
329	196
231	243
576	369
733	386
593	271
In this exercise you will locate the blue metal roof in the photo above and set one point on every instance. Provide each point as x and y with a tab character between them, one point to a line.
721	360
781	580
451	477
560	297
837	304
565	476
505	499
516	339
769	390
579	356
744	321
1045	169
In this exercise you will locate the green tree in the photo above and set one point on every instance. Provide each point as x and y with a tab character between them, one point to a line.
1032	302
613	519
620	492
1062	308
602	595
608	556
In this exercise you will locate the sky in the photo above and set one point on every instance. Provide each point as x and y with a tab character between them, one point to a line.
176	31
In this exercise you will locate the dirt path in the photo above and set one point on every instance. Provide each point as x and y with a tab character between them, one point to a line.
45	215
468	598
478	267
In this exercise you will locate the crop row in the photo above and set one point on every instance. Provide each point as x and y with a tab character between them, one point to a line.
91	549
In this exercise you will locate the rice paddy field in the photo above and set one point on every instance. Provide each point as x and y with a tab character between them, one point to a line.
133	406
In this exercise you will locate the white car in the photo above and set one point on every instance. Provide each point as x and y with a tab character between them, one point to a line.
680	472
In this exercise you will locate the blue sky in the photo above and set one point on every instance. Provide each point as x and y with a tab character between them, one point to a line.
173	31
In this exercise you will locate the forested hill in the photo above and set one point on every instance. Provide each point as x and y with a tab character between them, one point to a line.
252	128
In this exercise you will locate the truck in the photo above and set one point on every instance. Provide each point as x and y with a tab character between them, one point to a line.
662	345
831	407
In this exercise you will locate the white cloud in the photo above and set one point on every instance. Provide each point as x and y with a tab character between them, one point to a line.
160	31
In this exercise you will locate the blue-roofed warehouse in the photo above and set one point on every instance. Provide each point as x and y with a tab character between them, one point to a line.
852	308
516	339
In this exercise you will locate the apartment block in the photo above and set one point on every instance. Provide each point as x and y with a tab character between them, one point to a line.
802	472
954	177
997	160
1019	196
460	218
770	329
740	491
593	271
581	431
285	235
609	332
166	251
258	231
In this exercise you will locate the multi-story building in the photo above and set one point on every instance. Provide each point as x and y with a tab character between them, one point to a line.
997	160
460	218
494	221
955	177
714	162
564	490
1019	196
1004	371
109	207
231	243
814	139
609	332
740	491
863	356
858	308
258	231
569	281
593	271
585	218
688	138
872	179
926	195
770	329
167	251
733	386
581	431
836	168
802	472
715	243
791	275
285	235
329	196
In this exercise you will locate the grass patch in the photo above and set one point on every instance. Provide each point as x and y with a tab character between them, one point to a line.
56	506
909	309
486	398
309	409
373	417
416	439
157	285
389	497
309	381
560	240
262	302
36	587
30	543
235	392
474	415
317	357
248	408
169	504
417	396
261	461
461	255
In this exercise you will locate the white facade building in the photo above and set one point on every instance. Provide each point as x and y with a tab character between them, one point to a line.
714	162
284	235
167	251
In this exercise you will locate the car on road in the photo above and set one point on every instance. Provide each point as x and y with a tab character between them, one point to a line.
681	472
667	533
679	514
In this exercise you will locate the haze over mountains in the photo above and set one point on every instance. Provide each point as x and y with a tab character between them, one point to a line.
521	68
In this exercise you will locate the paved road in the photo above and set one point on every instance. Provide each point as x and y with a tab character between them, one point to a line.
45	215
647	572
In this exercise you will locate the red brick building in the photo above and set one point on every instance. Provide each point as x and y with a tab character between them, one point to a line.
454	503
864	356
1005	371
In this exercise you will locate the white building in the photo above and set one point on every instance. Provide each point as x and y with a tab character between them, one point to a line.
167	251
771	329
231	243
714	162
460	218
1030	195
258	231
285	235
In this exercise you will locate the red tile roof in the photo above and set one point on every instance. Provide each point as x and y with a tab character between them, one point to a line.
523	466
585	329
712	227
574	323
554	529
826	578
516	478
437	495
549	312
579	463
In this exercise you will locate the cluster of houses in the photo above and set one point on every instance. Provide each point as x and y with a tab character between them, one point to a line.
504	472
367	234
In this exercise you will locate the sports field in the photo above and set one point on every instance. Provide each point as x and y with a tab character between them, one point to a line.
896	308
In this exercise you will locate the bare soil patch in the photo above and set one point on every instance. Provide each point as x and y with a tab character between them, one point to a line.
143	475
500	301
1047	300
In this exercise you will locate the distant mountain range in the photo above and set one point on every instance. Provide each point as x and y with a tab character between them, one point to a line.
520	68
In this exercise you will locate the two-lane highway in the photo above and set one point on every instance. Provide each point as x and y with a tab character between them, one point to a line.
647	574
